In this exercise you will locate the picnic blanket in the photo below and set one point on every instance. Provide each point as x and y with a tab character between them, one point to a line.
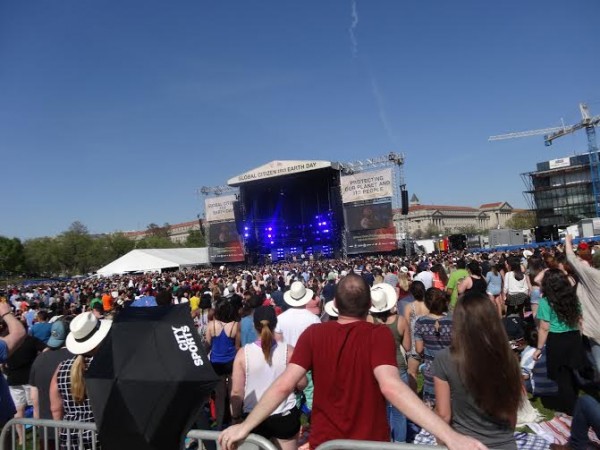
525	441
558	430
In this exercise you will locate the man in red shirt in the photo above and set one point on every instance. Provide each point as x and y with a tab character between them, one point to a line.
354	372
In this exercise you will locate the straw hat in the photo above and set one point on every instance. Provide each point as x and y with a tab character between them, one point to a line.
87	332
331	310
298	295
383	298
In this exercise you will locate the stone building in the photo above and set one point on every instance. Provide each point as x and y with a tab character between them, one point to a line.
178	232
450	219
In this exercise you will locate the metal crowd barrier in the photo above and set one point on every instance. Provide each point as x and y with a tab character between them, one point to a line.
254	440
45	433
348	444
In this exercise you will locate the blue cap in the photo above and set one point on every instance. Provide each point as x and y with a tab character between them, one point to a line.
58	334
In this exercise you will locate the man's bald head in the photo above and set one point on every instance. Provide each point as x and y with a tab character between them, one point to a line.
352	296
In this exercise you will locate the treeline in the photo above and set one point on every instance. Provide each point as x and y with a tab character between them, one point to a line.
77	252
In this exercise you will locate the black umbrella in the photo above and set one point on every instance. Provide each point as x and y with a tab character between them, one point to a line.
149	379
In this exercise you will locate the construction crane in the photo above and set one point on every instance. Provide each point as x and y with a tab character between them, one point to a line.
520	134
589	123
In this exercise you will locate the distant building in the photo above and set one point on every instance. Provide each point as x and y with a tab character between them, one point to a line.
451	219
498	213
178	232
560	191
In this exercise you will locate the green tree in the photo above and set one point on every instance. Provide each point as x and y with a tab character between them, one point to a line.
75	250
522	220
432	231
417	234
119	245
158	231
195	239
42	256
12	255
468	230
153	241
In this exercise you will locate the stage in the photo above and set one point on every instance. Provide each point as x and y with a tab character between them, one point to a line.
295	210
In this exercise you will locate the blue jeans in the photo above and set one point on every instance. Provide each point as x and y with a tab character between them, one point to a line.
585	415
397	420
595	352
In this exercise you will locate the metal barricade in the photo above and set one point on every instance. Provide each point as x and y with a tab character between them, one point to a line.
349	444
45	434
252	441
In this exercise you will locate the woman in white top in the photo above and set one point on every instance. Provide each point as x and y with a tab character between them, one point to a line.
516	284
257	365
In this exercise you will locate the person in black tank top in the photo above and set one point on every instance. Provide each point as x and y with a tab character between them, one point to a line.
475	282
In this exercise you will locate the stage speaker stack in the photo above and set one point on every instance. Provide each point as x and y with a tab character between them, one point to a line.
404	195
546	233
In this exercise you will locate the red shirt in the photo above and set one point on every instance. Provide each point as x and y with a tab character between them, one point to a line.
347	403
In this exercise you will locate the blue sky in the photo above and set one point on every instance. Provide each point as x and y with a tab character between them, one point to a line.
113	113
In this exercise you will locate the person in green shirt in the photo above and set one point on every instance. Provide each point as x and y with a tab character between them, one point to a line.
559	316
455	278
95	300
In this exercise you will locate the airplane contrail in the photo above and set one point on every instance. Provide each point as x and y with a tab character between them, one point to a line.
352	29
381	110
379	103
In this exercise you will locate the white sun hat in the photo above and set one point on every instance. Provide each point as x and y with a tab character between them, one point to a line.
298	295
87	332
383	298
331	310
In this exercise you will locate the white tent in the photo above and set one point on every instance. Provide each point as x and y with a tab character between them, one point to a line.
156	259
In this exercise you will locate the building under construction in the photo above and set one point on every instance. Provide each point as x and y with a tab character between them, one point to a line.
560	191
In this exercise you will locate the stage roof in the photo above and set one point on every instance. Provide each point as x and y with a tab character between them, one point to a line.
278	169
156	259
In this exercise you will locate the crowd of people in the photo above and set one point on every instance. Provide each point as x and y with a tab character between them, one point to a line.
372	348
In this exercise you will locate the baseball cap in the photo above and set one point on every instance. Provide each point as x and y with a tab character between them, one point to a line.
58	334
265	313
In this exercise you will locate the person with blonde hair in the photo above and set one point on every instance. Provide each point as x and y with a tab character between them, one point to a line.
68	395
256	366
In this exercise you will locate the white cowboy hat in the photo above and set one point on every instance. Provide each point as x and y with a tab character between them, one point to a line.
383	297
298	295
527	253
331	310
87	332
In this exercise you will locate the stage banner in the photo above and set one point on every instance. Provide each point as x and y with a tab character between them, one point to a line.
219	208
369	216
373	241
230	252
220	233
367	186
277	169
